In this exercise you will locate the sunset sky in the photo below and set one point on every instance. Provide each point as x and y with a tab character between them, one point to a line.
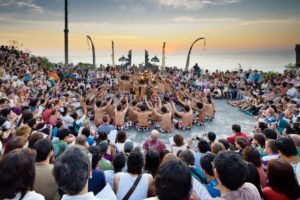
228	25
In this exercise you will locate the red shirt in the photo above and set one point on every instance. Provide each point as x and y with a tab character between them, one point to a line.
231	139
156	145
270	194
46	115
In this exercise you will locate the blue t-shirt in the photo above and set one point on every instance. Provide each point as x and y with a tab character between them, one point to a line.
90	140
97	182
211	188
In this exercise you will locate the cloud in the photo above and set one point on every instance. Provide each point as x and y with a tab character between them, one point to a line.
266	22
194	4
22	4
186	19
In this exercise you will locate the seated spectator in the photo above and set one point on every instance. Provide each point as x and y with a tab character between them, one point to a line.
60	145
252	155
17	174
217	147
270	134
151	162
202	147
271	153
240	144
296	140
253	177
179	144
288	152
44	181
97	182
120	140
118	164
154	142
282	182
168	185
259	140
211	137
233	187
236	129
134	176
207	169
88	134
105	127
16	142
71	171
105	163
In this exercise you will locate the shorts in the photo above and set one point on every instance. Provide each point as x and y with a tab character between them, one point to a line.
197	123
179	125
142	128
157	126
124	127
209	119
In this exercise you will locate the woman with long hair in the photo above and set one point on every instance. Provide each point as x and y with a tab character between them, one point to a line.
282	181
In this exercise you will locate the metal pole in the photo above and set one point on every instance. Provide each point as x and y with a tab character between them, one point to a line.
66	34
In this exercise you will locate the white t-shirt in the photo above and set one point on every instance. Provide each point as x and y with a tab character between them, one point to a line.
30	195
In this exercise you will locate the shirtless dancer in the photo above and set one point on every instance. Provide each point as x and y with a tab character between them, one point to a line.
120	114
187	117
165	125
100	110
143	118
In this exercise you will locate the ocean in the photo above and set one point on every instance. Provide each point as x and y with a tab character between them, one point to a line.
266	60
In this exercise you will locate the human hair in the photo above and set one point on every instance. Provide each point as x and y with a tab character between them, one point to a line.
96	155
33	138
199	105
211	136
271	144
282	178
236	128
173	181
17	172
23	131
187	108
286	146
152	162
135	161
242	142
42	147
261	139
71	170
31	122
63	133
143	107
5	112
119	162
206	161
164	109
217	147
119	107
16	142
86	131
252	155
225	143
105	119
81	140
26	117
187	156
121	136
228	163
98	103
270	134
163	153
262	125
203	146
253	177
74	115
178	140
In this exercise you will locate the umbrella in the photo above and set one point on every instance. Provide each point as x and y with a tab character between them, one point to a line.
122	59
154	59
